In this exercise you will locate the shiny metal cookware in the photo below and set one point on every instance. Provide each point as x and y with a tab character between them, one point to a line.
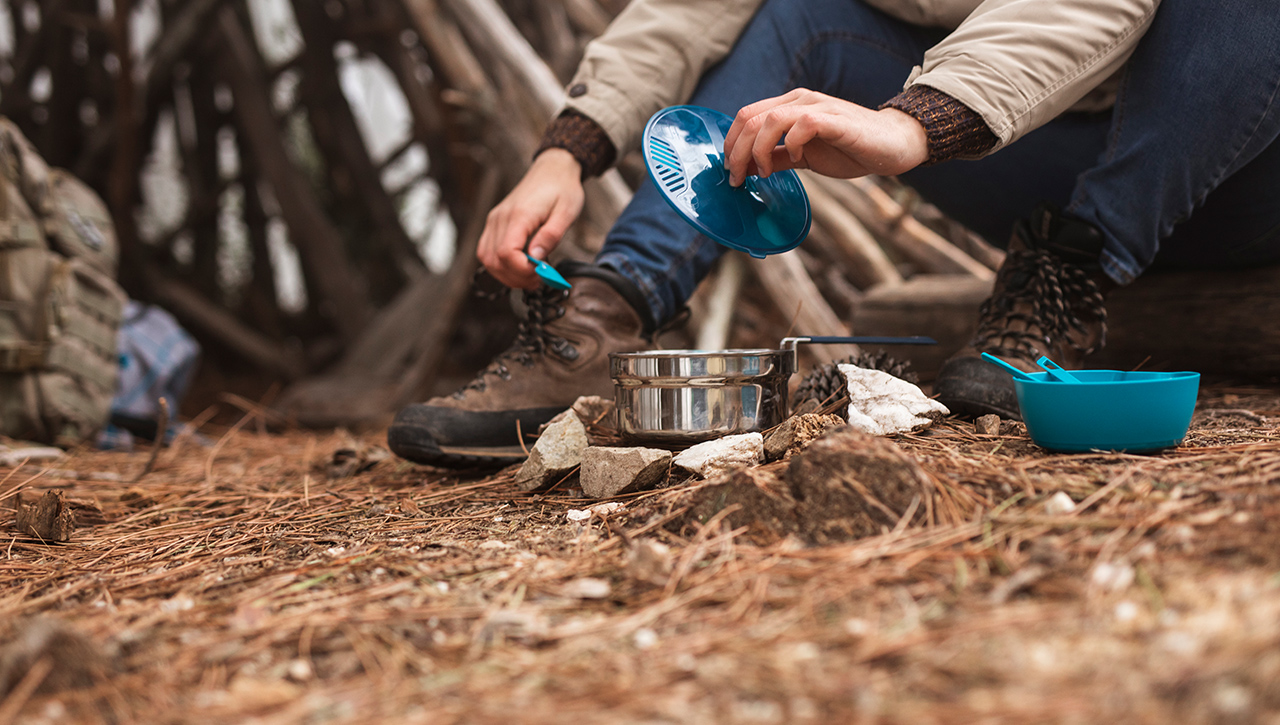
674	398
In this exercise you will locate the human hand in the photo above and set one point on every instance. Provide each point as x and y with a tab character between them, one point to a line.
538	211
831	136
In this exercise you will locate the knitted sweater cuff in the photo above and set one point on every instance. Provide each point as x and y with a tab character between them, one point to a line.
583	138
953	130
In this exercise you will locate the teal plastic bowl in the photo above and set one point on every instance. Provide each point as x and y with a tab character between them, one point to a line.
1108	410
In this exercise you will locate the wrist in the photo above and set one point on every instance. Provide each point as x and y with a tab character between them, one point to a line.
583	138
913	141
953	130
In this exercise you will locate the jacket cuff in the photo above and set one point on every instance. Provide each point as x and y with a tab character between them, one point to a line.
583	138
953	130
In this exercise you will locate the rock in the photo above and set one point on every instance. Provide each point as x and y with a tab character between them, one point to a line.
881	404
10	457
49	519
721	455
608	472
987	425
597	417
650	562
1058	504
587	588
848	485
796	432
558	451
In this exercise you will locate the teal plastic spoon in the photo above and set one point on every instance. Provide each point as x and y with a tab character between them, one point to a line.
1021	375
548	273
1055	371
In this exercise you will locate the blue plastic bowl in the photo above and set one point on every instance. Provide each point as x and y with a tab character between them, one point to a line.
1108	410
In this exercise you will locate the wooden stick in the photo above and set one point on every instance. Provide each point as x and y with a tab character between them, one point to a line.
785	280
714	334
864	262
890	222
318	243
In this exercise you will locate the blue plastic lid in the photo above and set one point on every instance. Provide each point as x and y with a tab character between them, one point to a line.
684	152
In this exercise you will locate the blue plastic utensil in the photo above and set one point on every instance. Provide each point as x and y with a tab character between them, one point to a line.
1019	374
684	152
1108	410
1055	370
548	274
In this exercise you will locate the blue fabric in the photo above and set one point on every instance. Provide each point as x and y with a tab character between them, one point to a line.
1193	131
157	360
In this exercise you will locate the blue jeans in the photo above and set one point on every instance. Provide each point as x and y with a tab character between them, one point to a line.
1193	130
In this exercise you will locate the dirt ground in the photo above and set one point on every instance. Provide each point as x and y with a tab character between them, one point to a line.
305	577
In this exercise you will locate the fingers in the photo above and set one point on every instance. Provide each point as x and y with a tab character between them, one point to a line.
501	249
759	128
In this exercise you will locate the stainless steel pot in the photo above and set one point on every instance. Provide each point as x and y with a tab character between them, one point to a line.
674	398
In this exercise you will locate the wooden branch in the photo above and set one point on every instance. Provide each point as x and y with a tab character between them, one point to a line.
328	105
885	218
587	15
193	309
181	31
796	296
864	262
716	325
318	243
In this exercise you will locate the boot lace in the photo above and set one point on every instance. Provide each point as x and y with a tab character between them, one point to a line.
545	305
1049	297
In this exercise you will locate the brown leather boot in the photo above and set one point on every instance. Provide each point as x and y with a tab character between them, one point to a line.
561	353
1047	300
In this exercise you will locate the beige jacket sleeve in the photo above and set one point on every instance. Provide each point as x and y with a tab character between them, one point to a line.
651	57
1017	63
1021	63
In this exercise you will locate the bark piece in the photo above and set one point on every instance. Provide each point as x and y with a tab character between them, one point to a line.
48	519
608	472
881	404
849	484
558	451
797	432
721	455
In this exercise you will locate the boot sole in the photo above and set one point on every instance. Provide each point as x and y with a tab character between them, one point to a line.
427	453
973	387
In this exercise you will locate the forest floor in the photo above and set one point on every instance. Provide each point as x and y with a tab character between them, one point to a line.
305	577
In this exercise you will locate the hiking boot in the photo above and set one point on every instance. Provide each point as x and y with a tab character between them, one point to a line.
561	353
1047	300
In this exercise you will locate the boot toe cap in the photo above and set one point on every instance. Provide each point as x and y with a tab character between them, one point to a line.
971	387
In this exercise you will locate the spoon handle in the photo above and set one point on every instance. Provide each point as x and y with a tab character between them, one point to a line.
1019	374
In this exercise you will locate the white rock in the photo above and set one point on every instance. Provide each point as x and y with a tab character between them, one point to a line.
558	451
722	455
607	509
577	515
1058	504
587	588
881	404
1113	577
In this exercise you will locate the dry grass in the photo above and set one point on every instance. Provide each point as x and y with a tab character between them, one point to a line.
241	582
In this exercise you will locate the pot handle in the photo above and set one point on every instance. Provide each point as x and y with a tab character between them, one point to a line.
789	343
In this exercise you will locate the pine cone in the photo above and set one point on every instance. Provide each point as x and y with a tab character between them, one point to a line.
824	386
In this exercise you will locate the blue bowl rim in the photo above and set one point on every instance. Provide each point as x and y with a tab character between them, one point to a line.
1156	378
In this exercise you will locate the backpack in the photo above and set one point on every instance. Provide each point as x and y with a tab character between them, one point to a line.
60	306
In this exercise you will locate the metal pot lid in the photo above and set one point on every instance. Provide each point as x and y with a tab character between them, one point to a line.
684	152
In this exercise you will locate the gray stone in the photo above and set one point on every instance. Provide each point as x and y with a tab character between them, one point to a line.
608	472
558	451
987	425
